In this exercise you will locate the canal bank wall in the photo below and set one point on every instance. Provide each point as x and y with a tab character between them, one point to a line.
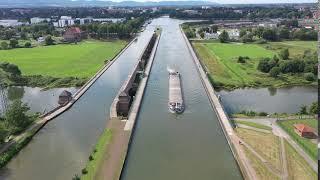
45	118
245	167
123	128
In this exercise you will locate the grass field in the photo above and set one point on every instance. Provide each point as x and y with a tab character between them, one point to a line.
298	168
100	148
255	125
68	60
307	144
220	60
295	47
266	144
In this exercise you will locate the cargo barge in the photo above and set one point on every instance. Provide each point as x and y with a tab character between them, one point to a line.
176	104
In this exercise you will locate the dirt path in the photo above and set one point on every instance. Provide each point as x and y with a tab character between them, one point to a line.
111	166
283	155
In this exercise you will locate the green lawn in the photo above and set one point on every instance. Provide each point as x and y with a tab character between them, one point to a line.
220	60
67	60
98	154
295	47
255	125
305	143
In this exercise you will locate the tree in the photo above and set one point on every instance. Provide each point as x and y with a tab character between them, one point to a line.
303	109
274	72
214	28
314	108
270	34
263	65
284	54
242	32
27	45
224	37
284	33
4	45
247	38
201	35
49	40
13	43
15	117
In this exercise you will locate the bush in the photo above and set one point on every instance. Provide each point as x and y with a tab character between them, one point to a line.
266	64
27	45
76	177
284	54
263	114
90	158
274	72
294	66
309	76
241	59
84	171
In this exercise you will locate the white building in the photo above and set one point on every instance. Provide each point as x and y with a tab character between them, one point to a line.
11	23
36	20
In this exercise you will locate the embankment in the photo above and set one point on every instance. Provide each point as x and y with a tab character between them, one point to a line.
246	169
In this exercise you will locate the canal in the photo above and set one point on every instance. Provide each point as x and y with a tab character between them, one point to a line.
168	146
61	149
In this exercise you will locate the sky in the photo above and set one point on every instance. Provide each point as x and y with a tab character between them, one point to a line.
235	1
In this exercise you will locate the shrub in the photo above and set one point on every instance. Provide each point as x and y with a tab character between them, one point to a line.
90	158
76	177
263	114
266	64
241	59
27	45
84	171
284	54
309	77
274	72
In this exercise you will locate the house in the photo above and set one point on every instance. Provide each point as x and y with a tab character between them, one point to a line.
304	130
73	34
65	97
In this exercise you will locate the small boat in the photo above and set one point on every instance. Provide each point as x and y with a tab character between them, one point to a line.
176	104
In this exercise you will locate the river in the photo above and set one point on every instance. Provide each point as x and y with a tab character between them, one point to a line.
270	100
168	146
61	149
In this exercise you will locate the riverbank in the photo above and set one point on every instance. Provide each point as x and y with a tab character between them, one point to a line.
20	141
220	60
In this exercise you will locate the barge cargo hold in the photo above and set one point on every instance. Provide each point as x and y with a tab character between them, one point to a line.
176	104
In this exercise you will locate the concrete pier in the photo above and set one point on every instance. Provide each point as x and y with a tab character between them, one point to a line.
244	164
123	127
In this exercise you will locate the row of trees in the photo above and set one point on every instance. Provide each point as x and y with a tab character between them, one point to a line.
245	12
276	34
122	30
275	66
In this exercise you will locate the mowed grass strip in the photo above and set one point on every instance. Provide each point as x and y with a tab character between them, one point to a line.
298	168
266	144
97	155
221	59
252	124
307	144
64	60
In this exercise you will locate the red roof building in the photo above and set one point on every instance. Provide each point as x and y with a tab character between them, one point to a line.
304	130
73	34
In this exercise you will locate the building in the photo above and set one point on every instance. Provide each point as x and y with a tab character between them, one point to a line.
73	34
11	23
41	40
65	97
304	130
36	20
